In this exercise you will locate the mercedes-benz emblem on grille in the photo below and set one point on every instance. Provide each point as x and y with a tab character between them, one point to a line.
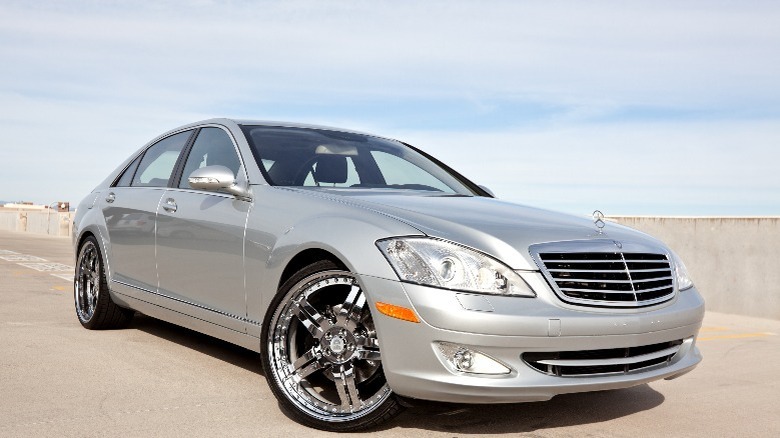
598	219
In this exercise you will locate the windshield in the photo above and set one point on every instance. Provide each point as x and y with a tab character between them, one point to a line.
306	157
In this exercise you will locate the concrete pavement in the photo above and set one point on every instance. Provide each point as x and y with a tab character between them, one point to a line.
155	379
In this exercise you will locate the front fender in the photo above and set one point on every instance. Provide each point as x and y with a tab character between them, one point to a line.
351	239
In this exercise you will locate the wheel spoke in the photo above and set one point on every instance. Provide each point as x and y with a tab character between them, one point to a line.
353	305
93	289
308	363
85	296
90	294
369	349
369	354
312	319
345	385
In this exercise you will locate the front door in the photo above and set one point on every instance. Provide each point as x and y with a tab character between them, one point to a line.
200	240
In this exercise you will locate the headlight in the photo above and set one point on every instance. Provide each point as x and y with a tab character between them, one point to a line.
681	272
447	265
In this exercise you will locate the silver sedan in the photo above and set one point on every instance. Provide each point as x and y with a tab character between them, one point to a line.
367	273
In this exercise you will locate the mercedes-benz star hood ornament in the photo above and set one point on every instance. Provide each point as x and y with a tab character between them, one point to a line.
598	219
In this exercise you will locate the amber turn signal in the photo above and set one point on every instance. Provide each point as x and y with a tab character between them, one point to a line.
398	312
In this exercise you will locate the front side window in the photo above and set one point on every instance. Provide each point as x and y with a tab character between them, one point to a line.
159	160
212	147
307	157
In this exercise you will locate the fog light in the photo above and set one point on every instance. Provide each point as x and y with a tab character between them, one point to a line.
463	359
467	360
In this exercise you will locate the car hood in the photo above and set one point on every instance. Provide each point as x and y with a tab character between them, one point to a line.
501	229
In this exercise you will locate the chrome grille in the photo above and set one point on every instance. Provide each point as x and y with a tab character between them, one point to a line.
603	362
609	279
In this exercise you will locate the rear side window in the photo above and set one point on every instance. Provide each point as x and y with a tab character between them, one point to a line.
127	176
157	164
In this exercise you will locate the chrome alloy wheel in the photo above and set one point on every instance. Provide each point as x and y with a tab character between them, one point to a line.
323	350
87	281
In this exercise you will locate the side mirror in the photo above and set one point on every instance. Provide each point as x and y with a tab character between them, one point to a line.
489	192
214	178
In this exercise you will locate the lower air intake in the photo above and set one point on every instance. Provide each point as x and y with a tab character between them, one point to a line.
602	362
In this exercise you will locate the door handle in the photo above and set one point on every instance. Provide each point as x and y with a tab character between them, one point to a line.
170	205
111	197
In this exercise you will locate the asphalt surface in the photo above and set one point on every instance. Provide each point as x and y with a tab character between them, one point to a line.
156	379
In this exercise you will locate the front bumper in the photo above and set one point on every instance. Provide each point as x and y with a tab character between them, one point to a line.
506	327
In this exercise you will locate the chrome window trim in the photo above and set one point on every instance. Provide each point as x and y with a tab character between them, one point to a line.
139	154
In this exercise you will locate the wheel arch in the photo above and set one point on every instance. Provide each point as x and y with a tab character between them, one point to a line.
95	232
83	236
305	258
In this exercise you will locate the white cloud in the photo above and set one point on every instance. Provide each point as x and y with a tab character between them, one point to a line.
85	83
659	53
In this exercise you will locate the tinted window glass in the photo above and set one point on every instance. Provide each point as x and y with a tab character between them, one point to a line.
127	176
157	163
398	171
316	176
316	157
212	147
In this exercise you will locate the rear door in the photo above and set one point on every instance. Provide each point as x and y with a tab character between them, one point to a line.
200	239
130	212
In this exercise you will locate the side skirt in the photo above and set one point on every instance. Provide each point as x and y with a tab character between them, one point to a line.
199	325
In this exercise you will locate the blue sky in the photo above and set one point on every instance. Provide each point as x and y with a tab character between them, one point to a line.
656	108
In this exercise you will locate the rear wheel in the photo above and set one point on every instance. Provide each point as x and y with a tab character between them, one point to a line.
94	306
321	354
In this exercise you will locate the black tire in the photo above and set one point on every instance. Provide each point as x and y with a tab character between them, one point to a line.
351	364
94	308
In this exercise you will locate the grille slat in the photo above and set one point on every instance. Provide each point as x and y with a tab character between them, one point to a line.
580	280
652	289
646	280
609	279
621	270
604	291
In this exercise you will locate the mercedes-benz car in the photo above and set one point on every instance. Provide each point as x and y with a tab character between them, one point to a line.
368	274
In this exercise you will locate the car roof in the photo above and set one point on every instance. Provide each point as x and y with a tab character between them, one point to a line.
282	124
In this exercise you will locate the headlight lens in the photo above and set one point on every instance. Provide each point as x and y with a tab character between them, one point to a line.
681	272
439	263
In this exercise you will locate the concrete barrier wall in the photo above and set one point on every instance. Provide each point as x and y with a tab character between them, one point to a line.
734	262
37	222
8	221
